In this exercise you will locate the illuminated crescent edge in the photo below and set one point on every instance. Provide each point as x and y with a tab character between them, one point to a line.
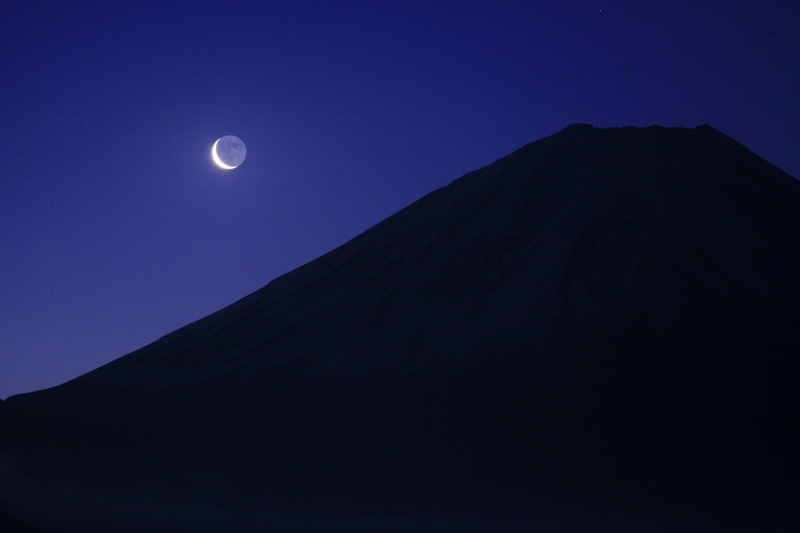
217	160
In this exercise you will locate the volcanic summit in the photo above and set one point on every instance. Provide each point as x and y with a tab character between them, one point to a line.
599	331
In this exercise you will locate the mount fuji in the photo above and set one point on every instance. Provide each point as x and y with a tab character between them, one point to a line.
597	332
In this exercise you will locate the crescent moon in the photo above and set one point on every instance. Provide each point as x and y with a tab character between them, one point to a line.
217	159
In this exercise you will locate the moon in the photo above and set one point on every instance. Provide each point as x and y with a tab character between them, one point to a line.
228	152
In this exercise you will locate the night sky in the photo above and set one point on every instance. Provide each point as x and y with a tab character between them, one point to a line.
117	228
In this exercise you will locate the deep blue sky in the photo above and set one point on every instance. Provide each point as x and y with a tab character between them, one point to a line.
116	228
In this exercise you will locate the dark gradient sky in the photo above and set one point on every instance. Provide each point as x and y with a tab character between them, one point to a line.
116	228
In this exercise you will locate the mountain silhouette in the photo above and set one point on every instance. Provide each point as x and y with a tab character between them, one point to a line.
597	332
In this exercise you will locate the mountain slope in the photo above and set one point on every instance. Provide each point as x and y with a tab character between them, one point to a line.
579	220
605	318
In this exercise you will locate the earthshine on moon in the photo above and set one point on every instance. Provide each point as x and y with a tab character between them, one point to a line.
228	152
